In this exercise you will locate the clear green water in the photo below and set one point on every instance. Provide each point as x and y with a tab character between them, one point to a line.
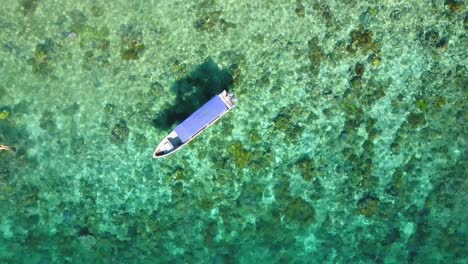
348	144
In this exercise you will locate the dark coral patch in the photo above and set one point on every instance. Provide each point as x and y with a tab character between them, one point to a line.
131	43
212	22
120	132
454	5
28	6
242	157
316	55
306	166
362	39
287	122
368	205
416	120
300	212
42	56
432	38
359	69
300	9
47	121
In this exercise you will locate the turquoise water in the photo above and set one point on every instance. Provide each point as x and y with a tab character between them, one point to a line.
348	143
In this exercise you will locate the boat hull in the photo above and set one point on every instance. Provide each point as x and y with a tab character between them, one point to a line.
195	124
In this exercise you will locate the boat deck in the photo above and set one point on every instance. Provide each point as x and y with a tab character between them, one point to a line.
201	118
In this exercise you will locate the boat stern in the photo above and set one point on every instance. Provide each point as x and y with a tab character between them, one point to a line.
228	98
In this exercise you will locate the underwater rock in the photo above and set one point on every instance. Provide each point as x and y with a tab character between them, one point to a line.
120	132
368	205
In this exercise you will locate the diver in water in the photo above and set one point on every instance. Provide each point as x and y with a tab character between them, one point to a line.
5	147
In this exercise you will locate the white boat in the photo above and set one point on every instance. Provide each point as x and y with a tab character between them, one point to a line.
196	123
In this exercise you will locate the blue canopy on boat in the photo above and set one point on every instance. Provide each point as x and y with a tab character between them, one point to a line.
200	118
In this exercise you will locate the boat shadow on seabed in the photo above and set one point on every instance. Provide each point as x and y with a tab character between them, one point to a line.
205	81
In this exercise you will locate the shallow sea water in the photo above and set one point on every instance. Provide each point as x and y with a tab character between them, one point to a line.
348	143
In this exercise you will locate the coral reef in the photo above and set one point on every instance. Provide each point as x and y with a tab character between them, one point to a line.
306	166
362	40
212	22
241	156
348	143
131	43
4	115
368	205
42	57
47	121
300	9
120	131
454	5
316	55
28	6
